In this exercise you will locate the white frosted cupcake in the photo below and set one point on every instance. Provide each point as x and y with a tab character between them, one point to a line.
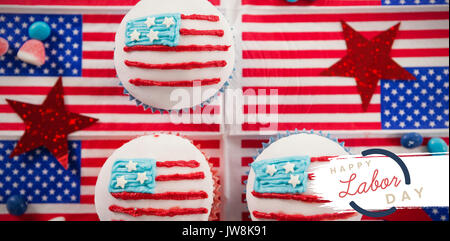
166	50
279	180
156	178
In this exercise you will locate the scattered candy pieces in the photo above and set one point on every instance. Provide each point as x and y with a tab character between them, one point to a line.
32	52
411	140
39	30
4	46
436	145
16	205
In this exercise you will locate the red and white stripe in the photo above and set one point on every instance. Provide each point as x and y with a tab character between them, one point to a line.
249	146
94	153
286	50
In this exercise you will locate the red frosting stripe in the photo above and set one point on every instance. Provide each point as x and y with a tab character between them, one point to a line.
214	32
191	164
187	65
180	83
211	18
178	177
161	196
136	212
321	158
300	217
179	48
297	197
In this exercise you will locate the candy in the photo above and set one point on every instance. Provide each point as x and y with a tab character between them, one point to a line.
436	145
39	30
32	52
411	140
16	205
4	46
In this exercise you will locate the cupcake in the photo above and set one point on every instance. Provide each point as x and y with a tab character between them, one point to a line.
174	54
157	178
278	186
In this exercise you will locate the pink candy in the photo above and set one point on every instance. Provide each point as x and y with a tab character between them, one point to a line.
32	52
4	46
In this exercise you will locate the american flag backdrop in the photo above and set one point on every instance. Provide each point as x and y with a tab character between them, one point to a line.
284	49
311	41
86	159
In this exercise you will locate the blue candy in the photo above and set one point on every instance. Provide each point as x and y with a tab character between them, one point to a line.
411	140
39	30
16	205
436	145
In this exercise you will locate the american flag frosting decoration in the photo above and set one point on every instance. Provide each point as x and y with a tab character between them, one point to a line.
162	33
136	179
161	29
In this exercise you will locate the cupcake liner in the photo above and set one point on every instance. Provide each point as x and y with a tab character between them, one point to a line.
304	131
162	111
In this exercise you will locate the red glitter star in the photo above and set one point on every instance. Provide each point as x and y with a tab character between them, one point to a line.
368	61
48	124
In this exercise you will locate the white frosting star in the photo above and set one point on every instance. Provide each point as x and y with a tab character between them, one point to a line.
150	22
168	21
121	182
294	181
289	167
152	35
131	166
134	36
271	169
142	176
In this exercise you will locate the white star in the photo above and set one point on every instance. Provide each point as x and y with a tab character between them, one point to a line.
294	181
150	22
168	21
152	35
289	167
131	166
271	169
121	182
134	36
142	177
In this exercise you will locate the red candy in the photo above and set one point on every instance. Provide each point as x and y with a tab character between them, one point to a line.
4	46
32	52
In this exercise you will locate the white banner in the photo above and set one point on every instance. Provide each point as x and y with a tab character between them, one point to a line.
378	182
